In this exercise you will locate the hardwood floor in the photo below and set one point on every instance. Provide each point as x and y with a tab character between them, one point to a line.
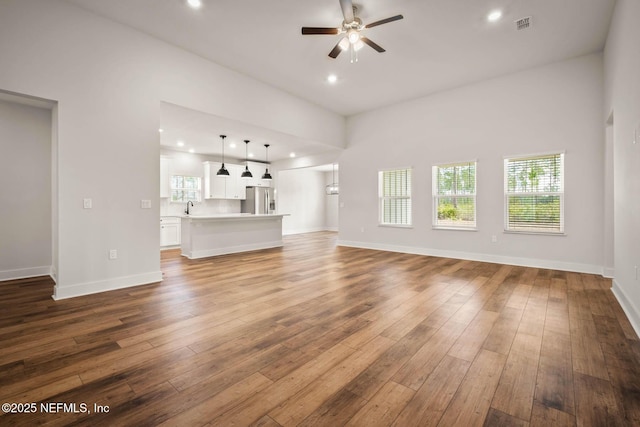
314	334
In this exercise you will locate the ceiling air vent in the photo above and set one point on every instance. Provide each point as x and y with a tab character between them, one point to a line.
523	23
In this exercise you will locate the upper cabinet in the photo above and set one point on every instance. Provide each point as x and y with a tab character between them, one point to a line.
165	176
232	187
236	186
257	169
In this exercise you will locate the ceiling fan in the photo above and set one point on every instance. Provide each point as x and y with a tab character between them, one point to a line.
351	28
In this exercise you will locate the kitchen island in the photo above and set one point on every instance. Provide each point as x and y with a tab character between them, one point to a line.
209	235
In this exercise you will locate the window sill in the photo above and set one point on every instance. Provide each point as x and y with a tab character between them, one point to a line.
536	233
395	225
454	228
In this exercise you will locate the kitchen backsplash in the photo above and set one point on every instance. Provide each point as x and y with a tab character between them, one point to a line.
205	207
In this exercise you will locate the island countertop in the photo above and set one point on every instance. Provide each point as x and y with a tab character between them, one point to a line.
209	235
242	216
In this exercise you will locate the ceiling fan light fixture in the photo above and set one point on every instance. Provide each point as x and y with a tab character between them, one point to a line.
344	43
353	36
358	45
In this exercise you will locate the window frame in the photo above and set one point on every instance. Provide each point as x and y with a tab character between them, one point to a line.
382	198
184	189
435	196
560	194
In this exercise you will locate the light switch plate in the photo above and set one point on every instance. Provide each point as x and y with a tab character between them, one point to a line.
87	203
145	204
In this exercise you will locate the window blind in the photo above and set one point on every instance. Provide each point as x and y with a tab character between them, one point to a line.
534	194
395	197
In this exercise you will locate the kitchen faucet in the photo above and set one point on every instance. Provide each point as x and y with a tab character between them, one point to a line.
187	210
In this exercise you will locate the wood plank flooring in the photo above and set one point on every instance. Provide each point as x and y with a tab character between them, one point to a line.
314	334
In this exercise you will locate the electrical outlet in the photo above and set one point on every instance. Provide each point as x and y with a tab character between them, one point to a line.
362	229
494	239
87	203
113	254
145	204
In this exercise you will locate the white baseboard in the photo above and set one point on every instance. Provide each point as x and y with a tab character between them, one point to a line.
632	312
62	292
471	256
23	273
331	229
232	249
608	272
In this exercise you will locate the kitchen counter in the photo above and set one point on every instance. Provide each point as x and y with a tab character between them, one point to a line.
210	235
240	216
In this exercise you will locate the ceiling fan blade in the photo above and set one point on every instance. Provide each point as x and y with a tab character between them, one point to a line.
319	30
384	21
347	11
336	50
372	44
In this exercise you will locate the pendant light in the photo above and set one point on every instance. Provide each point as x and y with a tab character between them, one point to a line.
223	172
333	188
267	175
247	173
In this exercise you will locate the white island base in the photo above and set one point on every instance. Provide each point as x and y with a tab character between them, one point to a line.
205	236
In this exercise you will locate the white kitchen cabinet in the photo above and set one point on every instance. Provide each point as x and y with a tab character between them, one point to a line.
236	186
165	176
214	186
169	231
257	169
233	187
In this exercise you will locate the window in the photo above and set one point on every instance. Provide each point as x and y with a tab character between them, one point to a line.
454	195
534	193
394	189
185	188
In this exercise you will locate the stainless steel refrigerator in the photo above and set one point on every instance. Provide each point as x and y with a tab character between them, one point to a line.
260	200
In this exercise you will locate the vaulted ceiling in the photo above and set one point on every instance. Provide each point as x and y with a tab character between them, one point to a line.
440	44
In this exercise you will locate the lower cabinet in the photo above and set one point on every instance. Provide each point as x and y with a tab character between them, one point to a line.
169	231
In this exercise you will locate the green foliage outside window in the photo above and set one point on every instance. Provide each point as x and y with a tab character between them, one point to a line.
454	195
535	193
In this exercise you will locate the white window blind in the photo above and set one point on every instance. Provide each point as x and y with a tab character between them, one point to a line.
185	188
454	195
395	197
534	193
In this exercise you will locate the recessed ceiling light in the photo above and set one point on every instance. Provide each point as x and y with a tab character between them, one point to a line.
494	16
195	4
250	154
292	154
180	143
160	130
232	145
191	150
332	78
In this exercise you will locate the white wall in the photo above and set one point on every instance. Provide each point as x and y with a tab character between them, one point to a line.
551	108
109	82
622	89
25	193
300	193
